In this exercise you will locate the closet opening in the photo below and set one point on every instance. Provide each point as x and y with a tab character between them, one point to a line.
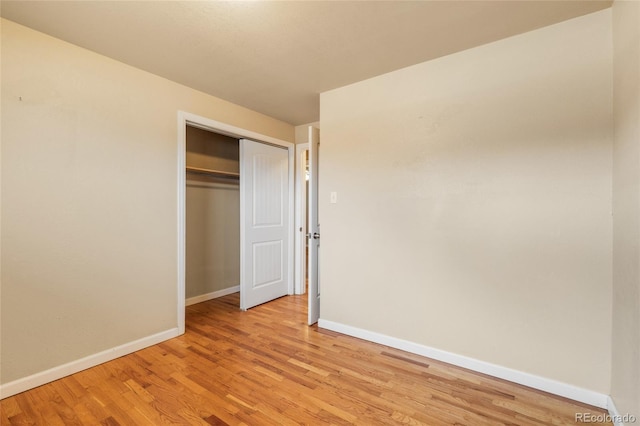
212	215
235	215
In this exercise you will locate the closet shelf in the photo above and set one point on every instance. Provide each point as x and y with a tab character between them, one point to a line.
218	173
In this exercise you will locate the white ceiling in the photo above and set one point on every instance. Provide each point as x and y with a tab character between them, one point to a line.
276	57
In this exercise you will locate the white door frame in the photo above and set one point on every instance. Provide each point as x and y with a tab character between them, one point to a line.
301	219
184	119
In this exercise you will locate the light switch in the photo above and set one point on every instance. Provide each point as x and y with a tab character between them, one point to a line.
333	198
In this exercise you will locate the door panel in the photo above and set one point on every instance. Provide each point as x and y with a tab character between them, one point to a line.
264	207
267	263
314	227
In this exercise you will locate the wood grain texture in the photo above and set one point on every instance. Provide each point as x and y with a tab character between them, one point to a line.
267	367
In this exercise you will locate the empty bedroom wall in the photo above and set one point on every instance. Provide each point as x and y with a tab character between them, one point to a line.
474	203
625	381
89	199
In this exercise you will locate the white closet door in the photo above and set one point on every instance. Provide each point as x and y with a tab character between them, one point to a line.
264	210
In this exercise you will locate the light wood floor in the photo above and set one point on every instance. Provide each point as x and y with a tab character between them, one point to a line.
266	367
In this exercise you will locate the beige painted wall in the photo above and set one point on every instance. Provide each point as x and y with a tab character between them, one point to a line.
302	131
212	214
89	199
625	381
474	203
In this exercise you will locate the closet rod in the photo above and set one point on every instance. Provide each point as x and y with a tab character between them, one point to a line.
219	173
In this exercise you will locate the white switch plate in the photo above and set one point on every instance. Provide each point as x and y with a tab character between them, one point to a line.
333	198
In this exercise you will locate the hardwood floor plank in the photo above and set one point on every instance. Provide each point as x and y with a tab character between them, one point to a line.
10	408
267	367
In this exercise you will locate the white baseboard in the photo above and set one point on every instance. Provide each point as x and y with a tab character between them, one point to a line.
212	295
619	419
613	412
55	373
541	383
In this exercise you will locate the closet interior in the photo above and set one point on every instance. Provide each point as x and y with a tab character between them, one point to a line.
212	215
